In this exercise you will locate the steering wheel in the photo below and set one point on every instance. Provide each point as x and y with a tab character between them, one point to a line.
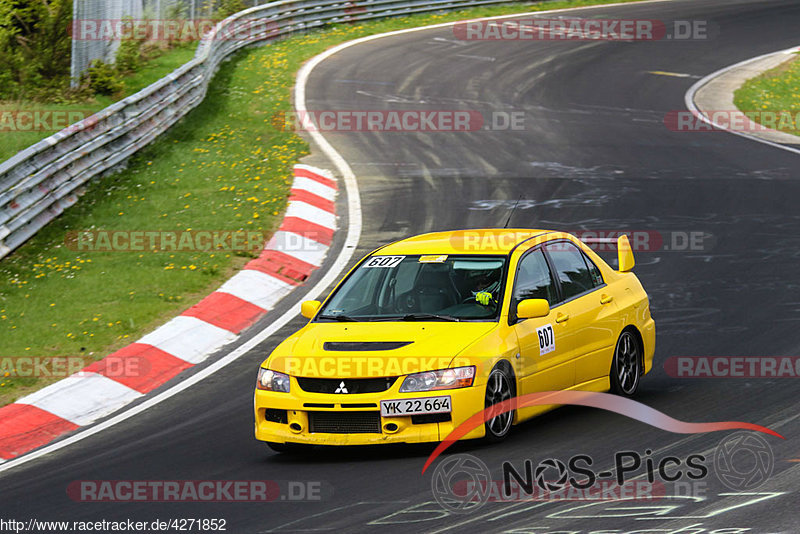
406	304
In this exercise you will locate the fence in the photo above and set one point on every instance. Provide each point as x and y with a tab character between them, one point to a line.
84	51
38	183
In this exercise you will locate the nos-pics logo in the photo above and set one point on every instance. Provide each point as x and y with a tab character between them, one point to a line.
462	483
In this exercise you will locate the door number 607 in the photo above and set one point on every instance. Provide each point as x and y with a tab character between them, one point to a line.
547	340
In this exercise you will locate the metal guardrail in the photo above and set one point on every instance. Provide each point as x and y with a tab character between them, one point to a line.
38	183
86	50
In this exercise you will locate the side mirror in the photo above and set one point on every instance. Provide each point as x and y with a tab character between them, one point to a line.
530	308
625	254
310	308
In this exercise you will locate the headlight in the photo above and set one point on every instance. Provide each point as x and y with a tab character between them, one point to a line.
272	381
458	377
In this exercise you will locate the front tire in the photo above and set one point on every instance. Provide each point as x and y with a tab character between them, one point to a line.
626	369
499	388
284	448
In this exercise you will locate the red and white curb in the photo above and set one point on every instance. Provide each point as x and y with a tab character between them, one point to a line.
295	250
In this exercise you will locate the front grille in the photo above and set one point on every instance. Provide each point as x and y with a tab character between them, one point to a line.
351	385
364	345
345	422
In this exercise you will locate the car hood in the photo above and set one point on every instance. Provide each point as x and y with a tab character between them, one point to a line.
362	350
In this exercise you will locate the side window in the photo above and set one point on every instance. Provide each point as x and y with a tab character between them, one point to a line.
594	272
533	279
571	270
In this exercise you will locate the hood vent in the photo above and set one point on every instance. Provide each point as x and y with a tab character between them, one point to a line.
364	345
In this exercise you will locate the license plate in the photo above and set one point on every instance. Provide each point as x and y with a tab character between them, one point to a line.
398	407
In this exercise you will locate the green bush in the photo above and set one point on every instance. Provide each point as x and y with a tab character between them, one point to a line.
129	57
129	53
103	79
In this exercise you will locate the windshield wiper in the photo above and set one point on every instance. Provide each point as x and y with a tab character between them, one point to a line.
409	317
428	316
339	317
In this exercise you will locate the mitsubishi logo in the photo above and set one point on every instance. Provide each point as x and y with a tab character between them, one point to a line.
342	388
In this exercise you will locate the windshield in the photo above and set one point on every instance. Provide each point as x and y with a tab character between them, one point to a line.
430	287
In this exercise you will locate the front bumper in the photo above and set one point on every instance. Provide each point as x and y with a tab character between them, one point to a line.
284	417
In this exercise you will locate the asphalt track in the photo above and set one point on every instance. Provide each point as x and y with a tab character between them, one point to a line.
594	154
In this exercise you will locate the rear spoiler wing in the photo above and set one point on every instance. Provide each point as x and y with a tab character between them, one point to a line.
624	251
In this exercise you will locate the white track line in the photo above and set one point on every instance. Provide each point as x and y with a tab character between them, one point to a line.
689	100
354	227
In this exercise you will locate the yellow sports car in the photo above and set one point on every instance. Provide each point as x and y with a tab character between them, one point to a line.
428	331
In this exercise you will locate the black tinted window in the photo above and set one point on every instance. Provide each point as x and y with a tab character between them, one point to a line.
533	279
571	270
594	272
393	287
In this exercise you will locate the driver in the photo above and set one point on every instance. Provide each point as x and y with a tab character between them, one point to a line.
486	287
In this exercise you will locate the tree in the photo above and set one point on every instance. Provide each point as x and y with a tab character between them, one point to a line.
35	45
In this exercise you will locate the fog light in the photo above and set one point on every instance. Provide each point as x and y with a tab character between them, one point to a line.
391	428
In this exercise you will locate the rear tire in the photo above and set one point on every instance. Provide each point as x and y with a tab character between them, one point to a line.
626	368
499	388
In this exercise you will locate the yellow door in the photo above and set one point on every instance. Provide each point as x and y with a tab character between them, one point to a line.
593	318
546	346
595	325
547	352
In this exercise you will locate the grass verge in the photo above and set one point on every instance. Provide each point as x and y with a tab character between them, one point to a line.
225	167
773	97
14	138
